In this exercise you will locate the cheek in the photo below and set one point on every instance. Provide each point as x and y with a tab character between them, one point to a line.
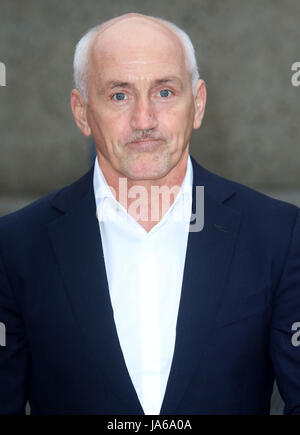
111	126
176	121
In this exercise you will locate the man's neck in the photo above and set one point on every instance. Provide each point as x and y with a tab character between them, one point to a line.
144	199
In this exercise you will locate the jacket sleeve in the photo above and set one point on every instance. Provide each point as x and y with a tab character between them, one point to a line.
284	340
14	352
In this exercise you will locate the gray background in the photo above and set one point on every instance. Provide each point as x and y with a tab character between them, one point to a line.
245	50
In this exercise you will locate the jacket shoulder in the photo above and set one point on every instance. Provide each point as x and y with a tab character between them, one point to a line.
44	210
244	197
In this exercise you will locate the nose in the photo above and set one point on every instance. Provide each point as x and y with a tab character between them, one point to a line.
143	115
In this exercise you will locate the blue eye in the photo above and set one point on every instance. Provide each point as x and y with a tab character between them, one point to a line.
119	96
165	93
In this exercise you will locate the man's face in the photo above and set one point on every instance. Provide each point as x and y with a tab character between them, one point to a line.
141	109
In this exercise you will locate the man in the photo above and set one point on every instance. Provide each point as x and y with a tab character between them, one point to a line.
111	308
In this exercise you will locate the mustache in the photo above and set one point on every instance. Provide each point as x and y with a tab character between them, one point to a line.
145	134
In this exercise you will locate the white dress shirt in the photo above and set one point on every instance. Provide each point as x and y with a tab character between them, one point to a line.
144	272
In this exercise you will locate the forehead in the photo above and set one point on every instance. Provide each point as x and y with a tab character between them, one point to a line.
137	50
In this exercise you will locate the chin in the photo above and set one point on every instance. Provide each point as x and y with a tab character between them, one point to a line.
146	175
147	172
145	168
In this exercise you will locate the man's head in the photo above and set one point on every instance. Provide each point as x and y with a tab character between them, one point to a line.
138	93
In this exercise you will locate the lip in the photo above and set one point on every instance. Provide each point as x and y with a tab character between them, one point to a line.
145	144
148	139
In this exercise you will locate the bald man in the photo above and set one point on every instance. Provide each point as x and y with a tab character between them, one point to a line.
129	291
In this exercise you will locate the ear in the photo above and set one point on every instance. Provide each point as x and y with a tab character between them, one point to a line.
200	103
78	107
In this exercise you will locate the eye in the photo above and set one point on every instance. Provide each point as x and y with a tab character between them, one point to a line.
165	93
119	96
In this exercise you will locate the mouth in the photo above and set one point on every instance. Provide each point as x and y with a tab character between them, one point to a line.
147	144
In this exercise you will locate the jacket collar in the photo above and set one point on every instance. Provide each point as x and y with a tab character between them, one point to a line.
69	198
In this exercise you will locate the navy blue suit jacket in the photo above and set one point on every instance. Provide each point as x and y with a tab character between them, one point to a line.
240	298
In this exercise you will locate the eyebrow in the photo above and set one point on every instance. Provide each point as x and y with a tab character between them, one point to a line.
120	84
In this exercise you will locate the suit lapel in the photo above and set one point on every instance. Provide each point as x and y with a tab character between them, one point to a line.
208	258
77	245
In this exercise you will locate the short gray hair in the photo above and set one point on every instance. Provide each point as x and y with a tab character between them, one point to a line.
80	63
